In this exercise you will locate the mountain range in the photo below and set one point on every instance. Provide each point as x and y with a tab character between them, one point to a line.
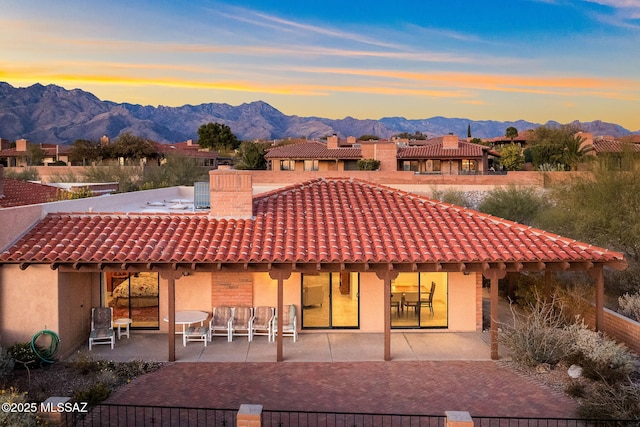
52	114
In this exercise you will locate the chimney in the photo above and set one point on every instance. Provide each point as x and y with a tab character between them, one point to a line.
450	141
189	142
21	144
351	140
104	140
332	141
231	194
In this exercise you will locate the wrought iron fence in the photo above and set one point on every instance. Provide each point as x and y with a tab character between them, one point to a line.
129	415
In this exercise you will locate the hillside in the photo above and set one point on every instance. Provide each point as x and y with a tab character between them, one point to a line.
52	114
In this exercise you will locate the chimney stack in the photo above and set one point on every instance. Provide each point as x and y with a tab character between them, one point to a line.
332	141
231	194
450	141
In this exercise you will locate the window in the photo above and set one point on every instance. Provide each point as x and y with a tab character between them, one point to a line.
287	165
330	300
437	166
410	165
469	165
310	165
413	305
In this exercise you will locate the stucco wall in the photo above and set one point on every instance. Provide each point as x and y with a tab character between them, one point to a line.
77	293
463	294
33	297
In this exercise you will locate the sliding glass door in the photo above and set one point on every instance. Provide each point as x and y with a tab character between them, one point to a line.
134	296
330	300
419	300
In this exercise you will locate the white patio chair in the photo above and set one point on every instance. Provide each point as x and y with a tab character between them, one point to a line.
102	327
219	323
289	323
240	323
196	333
261	322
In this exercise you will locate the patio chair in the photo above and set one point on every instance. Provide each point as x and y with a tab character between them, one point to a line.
289	323
240	323
411	299
102	327
196	333
219	323
261	322
428	301
396	301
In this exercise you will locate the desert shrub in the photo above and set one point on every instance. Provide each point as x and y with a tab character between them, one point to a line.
615	402
23	354
25	174
622	282
93	394
600	357
521	205
16	418
630	306
537	336
368	164
454	197
134	368
6	363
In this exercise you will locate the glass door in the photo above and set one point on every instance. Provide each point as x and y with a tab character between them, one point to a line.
330	300
419	300
134	296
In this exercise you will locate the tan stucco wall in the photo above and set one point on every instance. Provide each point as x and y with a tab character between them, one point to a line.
193	292
77	293
463	295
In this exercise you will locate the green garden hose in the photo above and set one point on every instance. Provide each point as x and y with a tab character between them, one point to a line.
46	354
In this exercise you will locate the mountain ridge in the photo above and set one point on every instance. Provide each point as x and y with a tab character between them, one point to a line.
55	115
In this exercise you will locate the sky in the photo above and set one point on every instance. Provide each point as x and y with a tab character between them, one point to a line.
505	60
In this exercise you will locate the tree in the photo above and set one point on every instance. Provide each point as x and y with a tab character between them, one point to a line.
132	147
549	144
511	157
406	135
84	152
519	205
217	136
251	156
511	133
368	164
575	152
35	155
367	137
176	170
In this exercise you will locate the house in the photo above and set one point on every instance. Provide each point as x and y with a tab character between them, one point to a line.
20	155
191	150
384	259
445	155
15	192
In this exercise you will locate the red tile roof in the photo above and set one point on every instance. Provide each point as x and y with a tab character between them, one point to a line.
333	220
614	146
185	149
312	150
435	150
20	193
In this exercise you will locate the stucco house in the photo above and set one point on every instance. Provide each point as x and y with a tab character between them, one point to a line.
445	155
383	259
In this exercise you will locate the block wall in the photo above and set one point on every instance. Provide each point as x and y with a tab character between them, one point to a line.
234	290
618	327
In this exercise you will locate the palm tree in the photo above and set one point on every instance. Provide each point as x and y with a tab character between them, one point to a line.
574	152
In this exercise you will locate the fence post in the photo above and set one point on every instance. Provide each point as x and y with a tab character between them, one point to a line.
249	416
458	419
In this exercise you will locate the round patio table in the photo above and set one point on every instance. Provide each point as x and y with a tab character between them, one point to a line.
188	317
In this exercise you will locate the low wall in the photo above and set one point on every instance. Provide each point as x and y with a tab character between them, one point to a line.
618	327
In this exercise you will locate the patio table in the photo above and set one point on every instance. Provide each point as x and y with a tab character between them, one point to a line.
188	317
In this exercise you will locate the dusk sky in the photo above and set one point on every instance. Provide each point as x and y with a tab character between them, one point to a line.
535	60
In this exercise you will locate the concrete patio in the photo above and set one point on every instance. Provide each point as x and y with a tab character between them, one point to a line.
310	347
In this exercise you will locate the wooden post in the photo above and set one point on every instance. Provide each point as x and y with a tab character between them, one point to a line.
387	276
280	275
597	274
494	275
171	277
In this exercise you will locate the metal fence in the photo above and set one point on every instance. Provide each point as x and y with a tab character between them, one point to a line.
129	415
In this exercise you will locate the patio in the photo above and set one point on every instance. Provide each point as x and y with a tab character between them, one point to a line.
310	347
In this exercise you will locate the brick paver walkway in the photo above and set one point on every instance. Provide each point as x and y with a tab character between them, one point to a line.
483	388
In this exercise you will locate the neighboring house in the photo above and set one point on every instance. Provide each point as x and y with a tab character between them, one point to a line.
313	156
20	156
377	258
445	155
191	150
